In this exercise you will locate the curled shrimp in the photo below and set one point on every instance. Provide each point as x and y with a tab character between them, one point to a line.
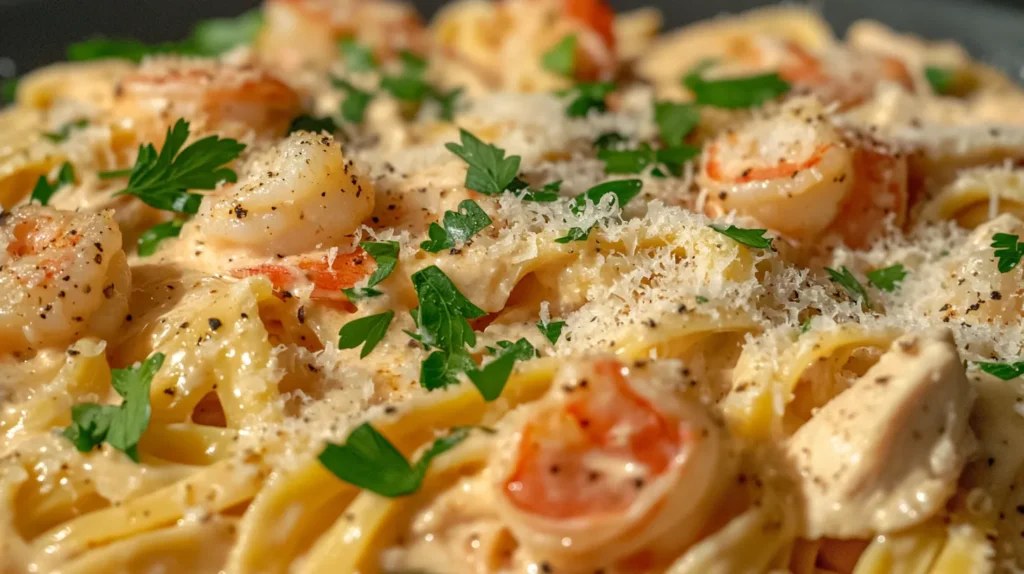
610	469
796	173
63	275
841	75
298	195
305	33
232	100
323	276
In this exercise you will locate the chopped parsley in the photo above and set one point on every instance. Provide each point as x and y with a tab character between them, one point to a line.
120	426
552	330
8	90
358	57
100	48
609	140
368	460
887	278
491	378
64	132
623	189
1008	249
163	180
845	278
940	79
1004	371
216	36
675	121
521	349
735	93
575	234
636	160
490	172
366	331
750	237
313	124
353	107
561	59
150	239
459	226
44	190
412	87
385	255
587	97
701	299
805	325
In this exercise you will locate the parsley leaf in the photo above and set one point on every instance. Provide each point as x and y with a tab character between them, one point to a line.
441	369
406	88
162	181
609	140
358	57
216	36
313	124
98	48
447	101
521	349
353	107
385	254
941	79
44	190
546	194
8	90
150	239
675	121
441	316
561	59
587	97
636	160
490	172
369	461
844	277
1008	250
367	331
552	331
623	189
735	93
750	237
701	299
491	378
459	226
805	325
62	134
887	277
575	234
1004	371
121	426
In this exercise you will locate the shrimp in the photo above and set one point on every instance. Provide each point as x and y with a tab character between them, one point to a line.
305	33
795	173
297	196
233	101
840	74
326	276
611	469
63	275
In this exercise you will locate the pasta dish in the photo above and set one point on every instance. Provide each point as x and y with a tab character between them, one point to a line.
532	287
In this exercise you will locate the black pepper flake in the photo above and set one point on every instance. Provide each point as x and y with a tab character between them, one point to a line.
73	352
98	259
128	317
214	323
995	295
108	291
240	212
169	391
301	315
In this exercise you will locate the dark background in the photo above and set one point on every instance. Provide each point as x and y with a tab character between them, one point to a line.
36	32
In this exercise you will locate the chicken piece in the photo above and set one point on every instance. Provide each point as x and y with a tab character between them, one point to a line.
886	454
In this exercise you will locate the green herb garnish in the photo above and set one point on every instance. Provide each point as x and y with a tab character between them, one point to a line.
150	239
163	180
369	461
552	331
561	59
490	172
459	226
623	189
887	278
845	278
636	160
941	79
8	90
120	426
735	93
44	190
313	124
358	57
587	97
385	255
1004	371
367	331
750	237
353	107
1008	249
62	133
521	349
675	121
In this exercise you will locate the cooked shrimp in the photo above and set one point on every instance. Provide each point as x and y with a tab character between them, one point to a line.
301	33
297	196
841	75
609	469
325	275
63	275
234	101
794	172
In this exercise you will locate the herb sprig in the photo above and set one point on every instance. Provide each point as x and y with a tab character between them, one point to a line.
44	190
385	255
846	279
887	278
750	237
1004	371
1009	249
459	227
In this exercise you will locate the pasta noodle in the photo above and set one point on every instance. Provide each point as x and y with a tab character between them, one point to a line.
532	287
